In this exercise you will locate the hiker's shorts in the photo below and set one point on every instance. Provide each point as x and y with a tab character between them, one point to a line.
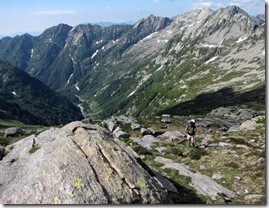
190	137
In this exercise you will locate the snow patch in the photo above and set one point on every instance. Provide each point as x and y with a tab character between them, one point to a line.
209	46
159	68
78	89
149	36
100	41
221	42
94	54
32	52
69	78
131	93
212	59
241	40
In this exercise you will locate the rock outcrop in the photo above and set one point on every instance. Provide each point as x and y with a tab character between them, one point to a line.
78	164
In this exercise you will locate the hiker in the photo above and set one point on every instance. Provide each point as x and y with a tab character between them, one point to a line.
190	131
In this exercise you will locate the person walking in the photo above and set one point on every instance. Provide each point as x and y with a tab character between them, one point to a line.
190	131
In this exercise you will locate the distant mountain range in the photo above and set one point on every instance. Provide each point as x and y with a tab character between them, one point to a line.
28	100
108	24
150	67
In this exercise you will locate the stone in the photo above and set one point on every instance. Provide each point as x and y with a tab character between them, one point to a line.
78	164
160	149
146	131
248	125
234	129
233	152
147	141
224	144
202	167
111	125
242	146
166	120
13	131
135	126
201	183
217	176
220	111
255	197
121	134
245	114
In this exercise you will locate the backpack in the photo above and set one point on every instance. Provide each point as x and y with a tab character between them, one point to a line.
191	128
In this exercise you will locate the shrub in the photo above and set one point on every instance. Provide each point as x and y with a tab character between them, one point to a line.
196	154
141	150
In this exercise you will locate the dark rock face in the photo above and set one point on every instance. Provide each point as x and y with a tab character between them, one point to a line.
77	164
13	131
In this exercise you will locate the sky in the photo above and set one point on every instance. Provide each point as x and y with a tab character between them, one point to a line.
34	16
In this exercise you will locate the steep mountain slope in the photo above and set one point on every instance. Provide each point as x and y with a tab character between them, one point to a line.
199	52
154	65
28	100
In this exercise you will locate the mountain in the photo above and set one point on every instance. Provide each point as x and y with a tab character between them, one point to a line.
108	24
153	66
26	99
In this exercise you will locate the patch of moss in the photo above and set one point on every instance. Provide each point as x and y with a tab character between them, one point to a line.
78	184
34	149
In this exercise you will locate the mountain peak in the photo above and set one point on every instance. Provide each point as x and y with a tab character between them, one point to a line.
233	10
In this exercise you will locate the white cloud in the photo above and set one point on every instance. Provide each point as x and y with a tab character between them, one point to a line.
235	4
156	1
54	12
202	4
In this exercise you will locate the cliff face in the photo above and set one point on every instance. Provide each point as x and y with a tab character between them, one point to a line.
77	164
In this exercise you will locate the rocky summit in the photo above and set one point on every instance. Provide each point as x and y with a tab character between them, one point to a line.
78	164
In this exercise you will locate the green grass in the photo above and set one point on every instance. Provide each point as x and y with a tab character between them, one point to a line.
34	149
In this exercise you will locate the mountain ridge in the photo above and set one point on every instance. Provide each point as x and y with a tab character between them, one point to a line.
27	99
112	66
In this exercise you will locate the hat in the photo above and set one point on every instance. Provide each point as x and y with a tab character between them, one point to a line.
192	120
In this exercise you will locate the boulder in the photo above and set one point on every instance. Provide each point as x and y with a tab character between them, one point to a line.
146	131
246	114
147	141
112	125
201	183
217	176
248	125
118	133
13	131
135	126
166	120
78	164
220	111
173	135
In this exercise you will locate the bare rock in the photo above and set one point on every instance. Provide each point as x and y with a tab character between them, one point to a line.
201	183
248	125
13	131
147	141
77	164
2	152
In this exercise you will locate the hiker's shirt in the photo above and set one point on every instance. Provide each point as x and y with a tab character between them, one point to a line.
191	130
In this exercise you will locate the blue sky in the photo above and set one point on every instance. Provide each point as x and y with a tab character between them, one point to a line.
20	16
